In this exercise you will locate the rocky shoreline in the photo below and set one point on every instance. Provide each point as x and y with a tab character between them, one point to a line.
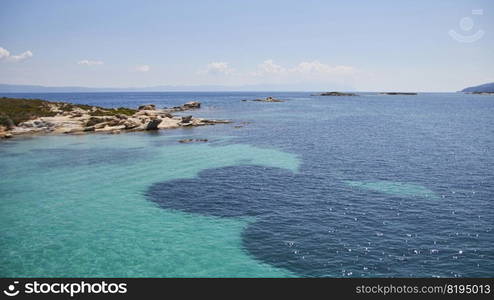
28	117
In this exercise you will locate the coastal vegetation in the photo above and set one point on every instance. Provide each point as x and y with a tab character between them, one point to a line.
14	111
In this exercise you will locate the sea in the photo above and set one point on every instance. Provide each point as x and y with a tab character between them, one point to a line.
366	186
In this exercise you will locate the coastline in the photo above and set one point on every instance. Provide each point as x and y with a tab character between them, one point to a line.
41	117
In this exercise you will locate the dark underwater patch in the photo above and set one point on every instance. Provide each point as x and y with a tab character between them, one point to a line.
224	192
318	226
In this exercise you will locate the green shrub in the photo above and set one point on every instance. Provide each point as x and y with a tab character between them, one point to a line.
112	111
17	110
20	110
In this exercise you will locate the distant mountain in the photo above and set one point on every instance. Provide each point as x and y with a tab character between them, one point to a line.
14	88
483	88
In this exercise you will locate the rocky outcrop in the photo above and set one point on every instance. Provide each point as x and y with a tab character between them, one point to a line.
192	105
267	99
147	107
4	132
113	123
130	124
335	94
153	124
95	120
86	119
211	122
187	106
186	119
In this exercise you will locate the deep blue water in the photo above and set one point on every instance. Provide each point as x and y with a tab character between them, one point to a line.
387	185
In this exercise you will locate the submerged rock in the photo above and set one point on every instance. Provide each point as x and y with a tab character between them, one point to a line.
192	140
212	122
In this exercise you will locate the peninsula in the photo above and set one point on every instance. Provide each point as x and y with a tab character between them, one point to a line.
35	116
483	89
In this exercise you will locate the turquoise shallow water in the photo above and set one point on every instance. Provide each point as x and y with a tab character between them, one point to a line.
87	215
315	186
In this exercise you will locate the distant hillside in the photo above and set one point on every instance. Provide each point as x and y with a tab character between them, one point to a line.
483	88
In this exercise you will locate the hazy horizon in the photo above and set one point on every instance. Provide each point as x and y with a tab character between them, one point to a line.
6	88
416	46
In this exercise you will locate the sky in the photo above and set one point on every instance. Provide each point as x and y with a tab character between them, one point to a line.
380	45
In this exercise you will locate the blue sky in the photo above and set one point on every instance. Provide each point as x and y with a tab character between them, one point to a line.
303	45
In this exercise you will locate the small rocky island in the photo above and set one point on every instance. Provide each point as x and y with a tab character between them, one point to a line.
267	99
35	116
335	94
398	93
